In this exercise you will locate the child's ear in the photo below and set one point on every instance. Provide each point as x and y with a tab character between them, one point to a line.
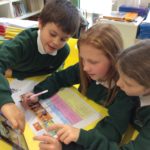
40	25
147	92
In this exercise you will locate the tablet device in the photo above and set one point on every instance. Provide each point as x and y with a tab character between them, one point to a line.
11	136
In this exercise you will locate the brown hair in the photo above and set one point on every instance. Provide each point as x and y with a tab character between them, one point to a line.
63	13
135	62
107	38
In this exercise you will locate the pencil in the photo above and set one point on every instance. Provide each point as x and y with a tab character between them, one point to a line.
38	94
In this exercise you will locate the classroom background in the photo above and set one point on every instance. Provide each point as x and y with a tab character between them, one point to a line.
131	17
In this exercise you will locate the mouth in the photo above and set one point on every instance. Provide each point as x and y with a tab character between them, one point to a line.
91	75
51	48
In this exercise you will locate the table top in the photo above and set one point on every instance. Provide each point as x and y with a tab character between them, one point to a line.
28	133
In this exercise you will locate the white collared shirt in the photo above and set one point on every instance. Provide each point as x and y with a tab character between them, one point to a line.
105	84
40	46
145	100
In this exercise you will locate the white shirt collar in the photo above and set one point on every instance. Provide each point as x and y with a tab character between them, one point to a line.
145	100
40	46
105	84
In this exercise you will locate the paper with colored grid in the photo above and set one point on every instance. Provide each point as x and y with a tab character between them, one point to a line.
67	106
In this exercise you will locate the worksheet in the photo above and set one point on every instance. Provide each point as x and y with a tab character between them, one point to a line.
67	106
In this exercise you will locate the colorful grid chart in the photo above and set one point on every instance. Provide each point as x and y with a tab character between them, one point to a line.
67	107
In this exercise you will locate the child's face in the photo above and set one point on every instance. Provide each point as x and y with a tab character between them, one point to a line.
52	37
130	86
95	63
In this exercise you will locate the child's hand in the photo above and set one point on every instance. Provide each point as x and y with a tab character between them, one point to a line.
48	143
27	99
66	133
8	73
14	115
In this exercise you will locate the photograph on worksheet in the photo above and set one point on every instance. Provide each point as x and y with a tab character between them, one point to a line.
66	106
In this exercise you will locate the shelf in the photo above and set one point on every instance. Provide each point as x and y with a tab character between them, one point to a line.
20	9
29	14
15	1
3	2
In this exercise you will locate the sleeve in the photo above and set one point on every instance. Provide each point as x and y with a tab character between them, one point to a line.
5	96
12	51
53	83
114	125
72	146
120	115
100	142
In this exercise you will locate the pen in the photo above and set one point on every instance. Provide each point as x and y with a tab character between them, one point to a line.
38	94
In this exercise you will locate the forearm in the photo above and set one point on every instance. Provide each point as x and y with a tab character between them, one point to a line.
58	80
5	92
95	142
98	141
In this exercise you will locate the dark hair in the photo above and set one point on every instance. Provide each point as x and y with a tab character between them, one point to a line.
135	62
107	38
63	13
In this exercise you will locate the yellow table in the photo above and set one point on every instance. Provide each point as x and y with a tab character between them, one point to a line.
33	145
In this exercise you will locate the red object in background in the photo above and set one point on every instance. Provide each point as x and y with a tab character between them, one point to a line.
2	30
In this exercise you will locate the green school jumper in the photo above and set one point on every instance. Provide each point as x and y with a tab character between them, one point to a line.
112	126
22	56
98	141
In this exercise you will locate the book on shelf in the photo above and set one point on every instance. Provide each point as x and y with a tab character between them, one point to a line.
19	8
121	16
33	5
18	23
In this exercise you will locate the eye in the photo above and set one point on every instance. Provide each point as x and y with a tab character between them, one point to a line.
93	62
65	39
53	34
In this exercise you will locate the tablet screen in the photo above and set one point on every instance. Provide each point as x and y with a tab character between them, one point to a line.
11	136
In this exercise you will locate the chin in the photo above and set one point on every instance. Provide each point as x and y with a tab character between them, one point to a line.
93	78
48	51
131	94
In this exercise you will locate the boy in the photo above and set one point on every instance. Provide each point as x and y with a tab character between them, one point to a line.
36	51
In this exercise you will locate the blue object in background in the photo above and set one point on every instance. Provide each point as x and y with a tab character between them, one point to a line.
144	31
144	28
141	11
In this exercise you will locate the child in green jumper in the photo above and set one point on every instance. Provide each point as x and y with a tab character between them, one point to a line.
99	47
134	71
36	51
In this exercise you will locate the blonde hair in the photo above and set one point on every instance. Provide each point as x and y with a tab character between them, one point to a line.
135	62
106	38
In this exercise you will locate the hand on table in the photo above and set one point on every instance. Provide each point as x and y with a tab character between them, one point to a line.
66	133
14	115
48	143
27	99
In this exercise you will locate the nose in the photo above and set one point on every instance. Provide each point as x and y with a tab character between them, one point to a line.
56	41
86	67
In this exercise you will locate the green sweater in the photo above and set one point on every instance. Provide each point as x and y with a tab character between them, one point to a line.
112	126
22	56
142	142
